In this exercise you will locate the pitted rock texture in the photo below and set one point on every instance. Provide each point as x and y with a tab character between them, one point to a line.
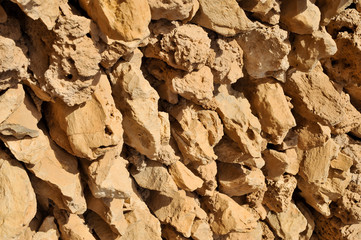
180	119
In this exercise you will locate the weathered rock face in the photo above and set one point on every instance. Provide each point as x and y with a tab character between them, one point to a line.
180	119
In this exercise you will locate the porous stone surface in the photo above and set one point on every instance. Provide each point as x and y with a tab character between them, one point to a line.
180	119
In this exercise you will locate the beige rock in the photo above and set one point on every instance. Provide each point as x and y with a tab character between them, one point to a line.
208	173
329	9
225	17
276	163
101	228
146	129
175	208
108	176
3	15
201	230
293	161
184	178
227	216
154	177
239	122
311	134
237	180
255	234
279	193
342	162
72	226
266	10
127	20
169	233
65	61
270	58
196	131
316	99
288	224
308	49
173	10
349	205
185	47
13	63
48	230
275	116
227	66
87	131
307	234
301	16
18	200
229	152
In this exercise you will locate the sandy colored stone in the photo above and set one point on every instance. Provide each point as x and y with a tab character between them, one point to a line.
185	47
265	10
237	180
87	131
288	224
315	98
174	208
225	17
349	205
270	58
13	63
154	177
308	49
201	230
274	114
108	176
48	230
196	131
239	122
126	20
184	178
227	216
279	193
72	226
145	129
227	66
229	152
18	201
208	173
255	234
169	233
276	163
100	227
311	134
64	61
330	8
342	162
301	17
173	10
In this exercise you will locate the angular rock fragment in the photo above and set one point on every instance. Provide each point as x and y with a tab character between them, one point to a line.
146	129
127	20
184	178
311	134
169	233
266	10
173	10
208	173
275	116
48	230
101	228
201	230
270	59
330	8
277	163
185	47
89	130
18	200
225	17
349	205
301	17
237	180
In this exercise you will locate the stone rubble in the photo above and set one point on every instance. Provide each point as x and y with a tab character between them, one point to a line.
180	119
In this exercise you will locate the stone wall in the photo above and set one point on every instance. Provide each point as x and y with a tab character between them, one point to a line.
180	119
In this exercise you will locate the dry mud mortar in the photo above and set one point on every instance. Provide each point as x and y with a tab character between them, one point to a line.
180	119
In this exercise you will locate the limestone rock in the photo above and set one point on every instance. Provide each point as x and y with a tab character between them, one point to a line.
227	66
311	134
185	47
208	173
108	176
239	122
342	162
236	180
277	163
89	130
201	230
279	193
127	20
308	49
270	59
64	61
196	131
175	208
349	207
265	10
316	99
13	63
288	224
169	233
99	227
331	8
184	178
275	116
18	200
48	230
146	129
301	16
154	177
227	216
173	10
225	17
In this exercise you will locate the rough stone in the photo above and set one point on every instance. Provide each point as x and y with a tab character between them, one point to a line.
276	163
237	180
100	227
173	10
311	134
265	10
127	20
184	178
208	173
201	230
331	8
48	230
